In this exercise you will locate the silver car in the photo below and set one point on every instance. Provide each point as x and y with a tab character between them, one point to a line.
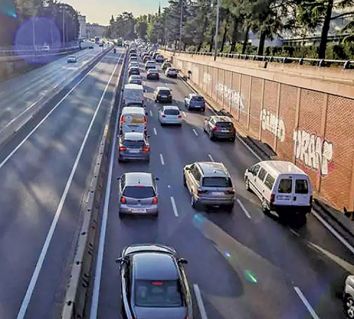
209	183
171	115
133	146
138	194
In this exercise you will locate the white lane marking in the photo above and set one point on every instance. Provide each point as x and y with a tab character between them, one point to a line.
41	122
294	232
98	272
151	114
195	132
306	303
162	160
200	303
211	158
35	275
244	209
333	231
184	114
169	186
174	207
155	132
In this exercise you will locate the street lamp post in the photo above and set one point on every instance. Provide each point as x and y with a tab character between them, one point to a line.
180	26
216	29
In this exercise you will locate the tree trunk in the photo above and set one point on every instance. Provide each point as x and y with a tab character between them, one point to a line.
234	35
202	34
261	43
325	29
245	40
224	37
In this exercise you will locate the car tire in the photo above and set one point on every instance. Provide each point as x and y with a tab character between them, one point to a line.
194	203
212	137
232	139
121	215
203	110
184	181
265	208
247	184
349	306
229	208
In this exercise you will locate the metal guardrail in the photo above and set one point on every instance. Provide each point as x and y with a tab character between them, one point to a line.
346	64
36	52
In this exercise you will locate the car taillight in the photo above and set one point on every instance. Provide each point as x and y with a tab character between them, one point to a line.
272	198
155	200
123	200
200	191
146	149
122	148
311	199
215	128
232	192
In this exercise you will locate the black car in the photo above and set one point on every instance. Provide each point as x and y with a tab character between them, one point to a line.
220	127
163	94
133	71
154	283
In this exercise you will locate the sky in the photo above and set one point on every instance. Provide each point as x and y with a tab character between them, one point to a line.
100	11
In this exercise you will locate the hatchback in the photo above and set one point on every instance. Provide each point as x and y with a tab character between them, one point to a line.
135	79
163	94
159	58
133	71
171	72
171	115
153	74
209	183
154	283
194	101
150	65
138	194
133	146
220	127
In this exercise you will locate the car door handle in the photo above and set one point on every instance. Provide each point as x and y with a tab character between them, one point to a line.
294	198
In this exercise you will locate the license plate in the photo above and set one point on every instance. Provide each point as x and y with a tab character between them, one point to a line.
163	96
225	131
218	193
134	151
138	210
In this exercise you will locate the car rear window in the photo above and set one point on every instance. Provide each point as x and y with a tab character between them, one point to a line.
138	192
301	186
158	293
164	92
285	186
171	112
133	144
197	98
224	125
217	182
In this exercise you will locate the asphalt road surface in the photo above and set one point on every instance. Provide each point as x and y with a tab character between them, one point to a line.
244	264
44	173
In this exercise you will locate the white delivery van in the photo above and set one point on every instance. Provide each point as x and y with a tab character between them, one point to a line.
133	94
281	186
133	119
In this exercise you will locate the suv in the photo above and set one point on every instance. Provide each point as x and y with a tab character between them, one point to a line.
138	194
194	101
163	94
209	183
133	146
220	127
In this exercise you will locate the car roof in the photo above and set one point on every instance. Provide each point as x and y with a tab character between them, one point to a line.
281	167
133	86
154	266
221	118
195	95
170	107
213	169
133	136
133	109
163	88
138	178
151	61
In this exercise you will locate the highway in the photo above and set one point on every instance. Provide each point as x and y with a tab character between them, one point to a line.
241	265
45	171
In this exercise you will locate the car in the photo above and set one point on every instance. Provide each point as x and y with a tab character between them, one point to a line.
138	194
146	58
133	59
170	114
348	297
133	146
194	101
154	283
166	65
135	79
159	58
220	127
163	94
150	65
152	74
210	184
171	72
71	59
154	55
133	71
133	64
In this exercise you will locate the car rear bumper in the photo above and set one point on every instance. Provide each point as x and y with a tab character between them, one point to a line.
221	136
132	156
291	209
133	210
153	77
171	75
171	122
215	201
164	99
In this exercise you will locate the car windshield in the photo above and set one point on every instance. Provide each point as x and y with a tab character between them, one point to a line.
197	98
158	293
171	112
139	191
217	182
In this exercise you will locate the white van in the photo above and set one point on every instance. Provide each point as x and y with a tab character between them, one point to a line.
281	186
133	119
133	94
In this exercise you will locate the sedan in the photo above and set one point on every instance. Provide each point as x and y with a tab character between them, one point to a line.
71	59
133	71
171	72
154	283
153	74
133	64
133	146
194	101
135	79
170	115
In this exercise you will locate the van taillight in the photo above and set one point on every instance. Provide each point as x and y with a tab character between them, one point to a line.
272	198
146	149
145	119
155	200
123	200
311	199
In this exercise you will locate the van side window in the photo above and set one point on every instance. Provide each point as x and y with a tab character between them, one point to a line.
285	186
269	181
301	186
262	174
255	169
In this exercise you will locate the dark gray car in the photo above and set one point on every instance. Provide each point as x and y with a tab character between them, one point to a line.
133	146
153	283
220	127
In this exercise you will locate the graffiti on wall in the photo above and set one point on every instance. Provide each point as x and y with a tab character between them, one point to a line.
232	97
313	151
273	124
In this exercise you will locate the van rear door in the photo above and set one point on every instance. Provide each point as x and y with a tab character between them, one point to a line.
302	191
284	190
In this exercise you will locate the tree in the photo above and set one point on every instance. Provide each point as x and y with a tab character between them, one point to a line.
141	27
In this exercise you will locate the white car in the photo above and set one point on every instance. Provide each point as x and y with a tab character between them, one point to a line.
170	114
72	59
171	72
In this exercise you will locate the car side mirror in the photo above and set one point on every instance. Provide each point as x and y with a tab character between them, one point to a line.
120	260
183	261
187	168
157	179
146	113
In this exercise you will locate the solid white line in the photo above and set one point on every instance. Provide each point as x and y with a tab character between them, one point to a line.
306	303
155	132
184	114
48	239
175	211
162	160
249	148
151	114
200	303
333	232
244	209
195	132
211	158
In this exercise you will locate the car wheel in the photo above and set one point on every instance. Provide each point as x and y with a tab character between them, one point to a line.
232	139
120	215
194	203
247	184
349	306
184	181
212	137
203	110
265	208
